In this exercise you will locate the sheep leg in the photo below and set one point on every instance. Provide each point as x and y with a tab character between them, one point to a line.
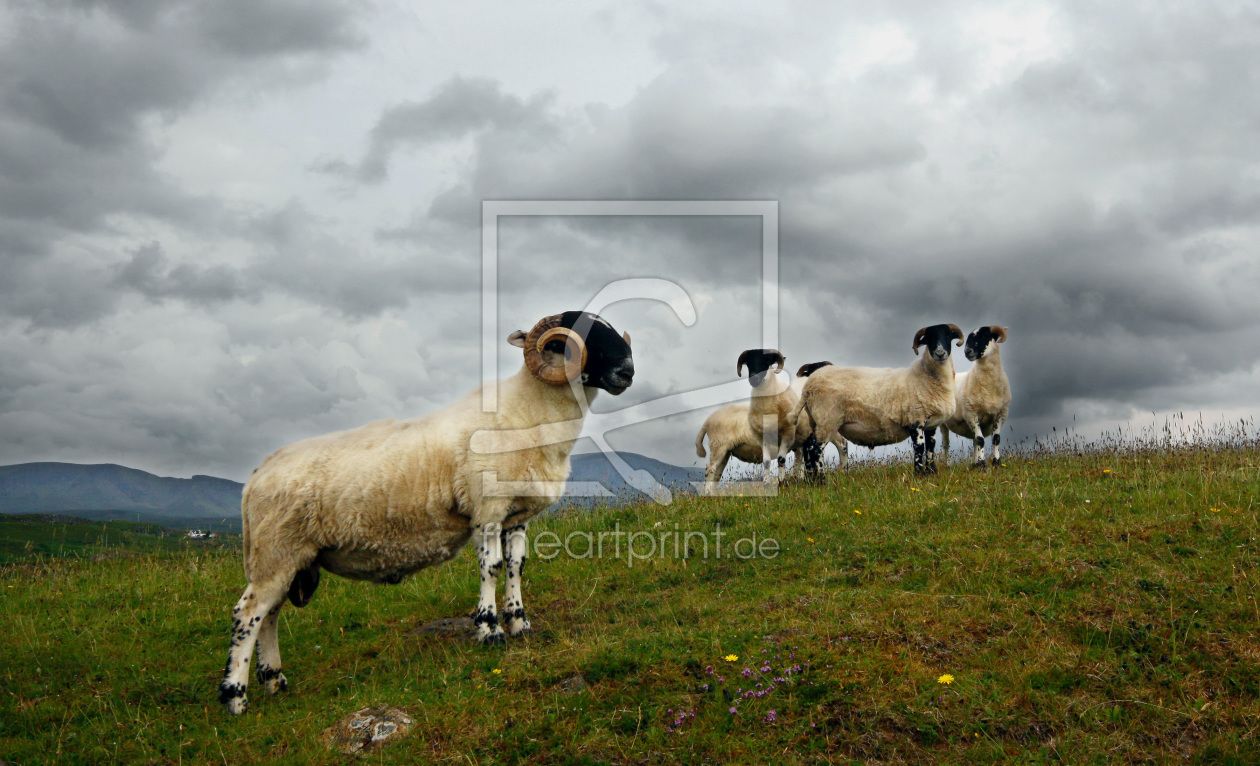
810	455
713	474
977	455
929	449
515	548
997	450
769	463
490	561
944	445
268	671
842	447
255	604
920	442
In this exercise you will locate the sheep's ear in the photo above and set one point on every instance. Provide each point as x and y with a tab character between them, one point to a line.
517	339
626	337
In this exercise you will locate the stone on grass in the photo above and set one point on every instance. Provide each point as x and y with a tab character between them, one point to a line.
367	729
447	626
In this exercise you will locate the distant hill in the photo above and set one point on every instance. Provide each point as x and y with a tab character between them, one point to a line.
596	467
113	492
69	488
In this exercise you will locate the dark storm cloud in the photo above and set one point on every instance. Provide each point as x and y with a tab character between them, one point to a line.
1100	201
459	107
150	273
81	84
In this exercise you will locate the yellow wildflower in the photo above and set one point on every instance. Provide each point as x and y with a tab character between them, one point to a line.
1214	510
857	511
808	538
496	671
945	679
731	657
1106	470
915	489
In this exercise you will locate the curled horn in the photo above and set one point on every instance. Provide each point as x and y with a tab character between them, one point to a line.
958	333
547	330
743	361
779	364
1000	332
918	340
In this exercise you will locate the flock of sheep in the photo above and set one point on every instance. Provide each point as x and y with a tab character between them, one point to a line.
385	500
826	404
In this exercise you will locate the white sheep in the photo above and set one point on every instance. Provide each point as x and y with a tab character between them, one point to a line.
385	500
875	406
770	417
982	396
730	435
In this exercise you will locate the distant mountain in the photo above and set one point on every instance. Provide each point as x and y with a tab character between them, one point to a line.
68	488
596	467
113	492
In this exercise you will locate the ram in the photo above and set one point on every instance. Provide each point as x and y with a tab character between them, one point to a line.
875	406
982	396
383	501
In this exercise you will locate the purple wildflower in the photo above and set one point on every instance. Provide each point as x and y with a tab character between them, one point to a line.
747	672
771	716
732	711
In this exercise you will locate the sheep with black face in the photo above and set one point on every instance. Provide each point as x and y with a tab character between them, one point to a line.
383	501
982	396
874	406
770	417
731	436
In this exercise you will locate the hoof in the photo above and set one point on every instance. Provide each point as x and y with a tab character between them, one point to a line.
272	680
495	638
981	466
517	631
996	462
233	698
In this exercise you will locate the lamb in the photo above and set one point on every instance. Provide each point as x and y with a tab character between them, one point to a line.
770	417
730	435
870	406
982	396
385	500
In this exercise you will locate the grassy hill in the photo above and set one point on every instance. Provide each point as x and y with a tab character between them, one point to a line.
1074	609
27	536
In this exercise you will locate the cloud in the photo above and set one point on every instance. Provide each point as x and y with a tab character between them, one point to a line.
180	288
85	89
459	107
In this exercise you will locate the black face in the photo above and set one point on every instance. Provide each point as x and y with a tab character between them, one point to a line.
938	339
609	364
759	362
978	342
808	369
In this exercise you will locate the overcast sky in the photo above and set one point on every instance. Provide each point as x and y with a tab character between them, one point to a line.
229	224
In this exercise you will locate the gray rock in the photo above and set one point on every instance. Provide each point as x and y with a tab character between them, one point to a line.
367	729
462	627
573	684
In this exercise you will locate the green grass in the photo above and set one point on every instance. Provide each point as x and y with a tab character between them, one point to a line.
1091	609
27	536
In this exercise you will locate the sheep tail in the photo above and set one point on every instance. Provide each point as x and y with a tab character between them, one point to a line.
800	408
704	429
